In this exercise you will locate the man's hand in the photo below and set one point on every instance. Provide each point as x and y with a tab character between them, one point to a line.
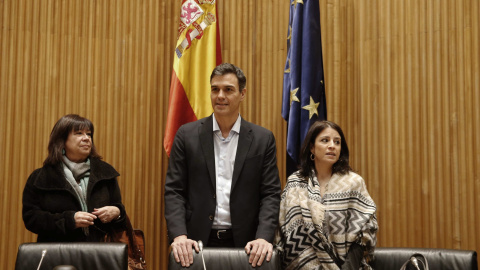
258	250
182	250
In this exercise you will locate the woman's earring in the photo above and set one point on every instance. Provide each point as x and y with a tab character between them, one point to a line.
312	156
63	151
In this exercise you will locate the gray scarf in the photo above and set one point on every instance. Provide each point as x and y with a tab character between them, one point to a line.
77	175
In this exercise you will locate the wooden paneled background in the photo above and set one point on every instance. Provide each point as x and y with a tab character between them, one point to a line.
402	79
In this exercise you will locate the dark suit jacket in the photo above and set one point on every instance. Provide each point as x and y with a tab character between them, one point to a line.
190	185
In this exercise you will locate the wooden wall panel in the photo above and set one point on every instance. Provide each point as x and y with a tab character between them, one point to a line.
402	79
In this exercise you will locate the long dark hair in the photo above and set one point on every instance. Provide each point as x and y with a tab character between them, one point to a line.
307	165
60	133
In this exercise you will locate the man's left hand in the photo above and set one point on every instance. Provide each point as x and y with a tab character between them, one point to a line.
259	250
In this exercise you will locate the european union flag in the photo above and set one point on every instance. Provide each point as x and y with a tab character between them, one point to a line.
303	82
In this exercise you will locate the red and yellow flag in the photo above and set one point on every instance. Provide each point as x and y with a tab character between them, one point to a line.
197	53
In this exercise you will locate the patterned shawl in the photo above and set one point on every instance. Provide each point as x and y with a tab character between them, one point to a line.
315	228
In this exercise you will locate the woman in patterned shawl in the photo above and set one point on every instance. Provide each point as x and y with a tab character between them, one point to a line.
327	217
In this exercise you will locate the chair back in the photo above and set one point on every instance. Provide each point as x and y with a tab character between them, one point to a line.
438	259
81	255
224	258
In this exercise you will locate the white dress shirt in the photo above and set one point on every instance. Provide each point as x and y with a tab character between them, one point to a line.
225	152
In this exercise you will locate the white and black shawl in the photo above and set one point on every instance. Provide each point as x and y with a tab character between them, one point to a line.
316	232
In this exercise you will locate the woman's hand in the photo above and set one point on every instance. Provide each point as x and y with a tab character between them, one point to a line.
83	219
107	213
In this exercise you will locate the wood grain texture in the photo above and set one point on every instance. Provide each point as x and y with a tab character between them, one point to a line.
402	79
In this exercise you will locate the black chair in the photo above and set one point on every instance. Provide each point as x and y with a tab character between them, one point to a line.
438	259
81	255
224	258
384	259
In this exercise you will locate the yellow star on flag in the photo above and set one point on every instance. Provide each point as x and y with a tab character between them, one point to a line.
288	71
293	96
312	108
295	2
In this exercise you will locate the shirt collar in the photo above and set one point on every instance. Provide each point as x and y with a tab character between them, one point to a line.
235	128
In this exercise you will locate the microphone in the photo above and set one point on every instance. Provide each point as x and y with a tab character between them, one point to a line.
414	262
41	260
200	245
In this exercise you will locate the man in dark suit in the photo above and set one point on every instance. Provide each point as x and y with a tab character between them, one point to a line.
222	184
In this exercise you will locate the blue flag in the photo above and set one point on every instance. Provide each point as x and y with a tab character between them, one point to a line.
303	82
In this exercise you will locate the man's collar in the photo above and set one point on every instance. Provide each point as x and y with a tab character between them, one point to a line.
236	126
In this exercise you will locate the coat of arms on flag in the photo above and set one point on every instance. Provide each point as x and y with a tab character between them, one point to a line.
191	11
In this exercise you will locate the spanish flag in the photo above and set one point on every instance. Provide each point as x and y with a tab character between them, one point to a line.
197	53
